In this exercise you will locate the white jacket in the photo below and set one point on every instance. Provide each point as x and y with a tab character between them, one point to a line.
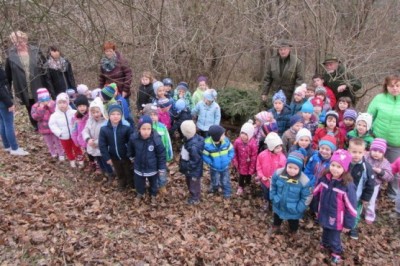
60	123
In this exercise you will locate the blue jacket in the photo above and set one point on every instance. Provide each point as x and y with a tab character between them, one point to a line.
296	107
337	203
364	179
113	141
149	154
194	166
218	156
207	115
316	167
282	119
290	197
310	151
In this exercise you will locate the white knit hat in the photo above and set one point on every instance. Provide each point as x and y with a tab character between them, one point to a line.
272	140
304	132
82	89
366	117
188	129
248	128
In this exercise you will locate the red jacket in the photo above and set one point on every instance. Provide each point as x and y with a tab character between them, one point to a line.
245	156
267	163
321	132
331	96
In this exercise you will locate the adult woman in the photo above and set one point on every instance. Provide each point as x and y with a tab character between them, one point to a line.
24	70
59	72
385	109
114	68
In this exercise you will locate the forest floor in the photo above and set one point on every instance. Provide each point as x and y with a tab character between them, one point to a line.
51	214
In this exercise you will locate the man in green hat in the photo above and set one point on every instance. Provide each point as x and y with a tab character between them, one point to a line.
339	79
284	72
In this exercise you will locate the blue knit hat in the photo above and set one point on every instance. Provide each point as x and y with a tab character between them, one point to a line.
182	86
307	107
294	119
180	105
210	95
297	157
115	107
156	86
279	96
144	119
329	141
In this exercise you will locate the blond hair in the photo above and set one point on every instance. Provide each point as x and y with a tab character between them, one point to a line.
18	35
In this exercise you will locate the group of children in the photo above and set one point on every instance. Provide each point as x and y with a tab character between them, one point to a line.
315	153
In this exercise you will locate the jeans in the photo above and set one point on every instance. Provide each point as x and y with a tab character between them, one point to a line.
331	240
140	184
194	186
221	179
7	128
162	179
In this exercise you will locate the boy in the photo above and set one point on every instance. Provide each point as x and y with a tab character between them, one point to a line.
330	128
289	137
280	111
318	81
218	153
181	113
310	93
113	140
363	178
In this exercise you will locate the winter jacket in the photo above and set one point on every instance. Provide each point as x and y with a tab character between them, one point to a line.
337	203
121	75
288	140
179	118
364	179
78	124
165	118
5	93
309	150
290	196
321	132
386	175
113	141
162	131
149	154
42	115
345	129
282	119
144	95
321	117
341	114
198	96
245	156
60	79
192	165
396	166
316	167
331	96
126	114
368	138
296	107
267	163
60	123
187	97
218	156
207	115
385	109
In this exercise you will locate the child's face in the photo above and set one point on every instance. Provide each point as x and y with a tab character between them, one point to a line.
181	93
309	93
207	102
82	108
336	170
62	105
95	113
348	122
161	92
377	155
109	53
292	169
145	131
145	81
278	106
357	152
203	85
297	98
318	82
115	117
317	109
278	149
304	142
258	123
325	151
167	88
320	96
343	105
296	127
306	116
154	117
244	137
361	128
330	123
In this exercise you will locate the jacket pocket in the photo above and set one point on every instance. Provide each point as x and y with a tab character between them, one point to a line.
292	208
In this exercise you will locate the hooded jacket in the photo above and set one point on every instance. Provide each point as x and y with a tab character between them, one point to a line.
193	167
207	115
42	115
245	158
113	141
267	163
60	123
218	156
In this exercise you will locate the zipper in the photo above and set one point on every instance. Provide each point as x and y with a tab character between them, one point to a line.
115	141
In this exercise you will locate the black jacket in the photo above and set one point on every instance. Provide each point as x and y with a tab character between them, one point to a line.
5	94
59	81
363	178
145	95
194	166
113	144
178	119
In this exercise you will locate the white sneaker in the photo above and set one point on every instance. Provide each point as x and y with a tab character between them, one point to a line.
81	164
7	149
19	152
73	164
61	158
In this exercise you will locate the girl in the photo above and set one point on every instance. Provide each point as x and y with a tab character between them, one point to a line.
330	128
349	121
280	111
159	91
303	140
309	119
298	98
320	92
362	130
199	93
245	157
261	118
164	116
41	112
342	105
79	121
318	112
268	161
337	198
168	85
208	112
145	92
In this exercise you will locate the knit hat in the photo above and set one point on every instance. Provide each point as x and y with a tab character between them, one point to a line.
168	82
81	100
71	93
180	105
350	113
320	90
144	119
333	114
307	107
188	128
269	127
343	158
297	157
215	132
317	102
114	108
156	86
295	119
329	141
149	109
272	140
82	89
379	144
248	128
263	116
62	97
301	90
210	94
279	96
366	117
182	86
43	95
164	102
304	132
202	78
107	93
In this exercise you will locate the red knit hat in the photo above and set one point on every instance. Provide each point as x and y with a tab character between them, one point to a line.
329	141
317	102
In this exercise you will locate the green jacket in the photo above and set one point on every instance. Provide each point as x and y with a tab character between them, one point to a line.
368	138
385	110
198	96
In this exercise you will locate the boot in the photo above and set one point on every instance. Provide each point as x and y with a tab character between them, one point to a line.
72	164
110	178
162	191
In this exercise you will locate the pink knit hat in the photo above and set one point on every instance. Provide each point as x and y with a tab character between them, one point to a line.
43	95
379	145
343	158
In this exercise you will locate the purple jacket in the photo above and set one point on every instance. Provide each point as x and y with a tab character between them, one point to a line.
386	175
78	126
42	115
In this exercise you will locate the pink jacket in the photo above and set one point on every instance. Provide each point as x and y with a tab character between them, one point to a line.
165	118
42	115
245	156
386	175
267	163
78	124
396	167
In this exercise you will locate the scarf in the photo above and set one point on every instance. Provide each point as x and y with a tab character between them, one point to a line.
60	64
108	64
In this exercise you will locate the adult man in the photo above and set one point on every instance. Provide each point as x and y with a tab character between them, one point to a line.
284	71
338	79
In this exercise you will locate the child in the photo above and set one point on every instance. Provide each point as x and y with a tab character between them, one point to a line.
163	111
290	193
363	177
318	112
303	140
91	134
182	92
146	148
280	111
336	194
218	153
159	91
396	170
320	92
82	89
310	93
342	104
182	113
383	172
145	92
298	98
349	121
198	95
113	144
318	81
208	112
268	161
191	161
60	123
362	130
309	119
78	124
245	158
330	128
261	118
168	85
267	128
289	137
41	112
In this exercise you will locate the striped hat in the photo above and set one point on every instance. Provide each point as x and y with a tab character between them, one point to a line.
108	92
329	141
379	145
297	157
43	95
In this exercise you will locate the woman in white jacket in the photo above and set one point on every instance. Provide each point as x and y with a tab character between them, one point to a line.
60	124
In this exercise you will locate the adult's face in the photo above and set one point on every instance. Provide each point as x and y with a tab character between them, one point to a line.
394	88
284	52
109	53
20	43
331	66
55	54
